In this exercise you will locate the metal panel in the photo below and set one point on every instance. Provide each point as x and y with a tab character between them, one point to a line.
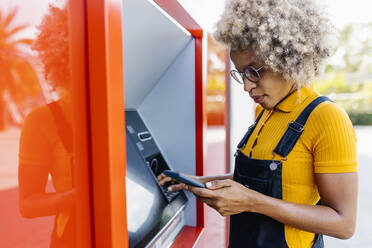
151	40
169	113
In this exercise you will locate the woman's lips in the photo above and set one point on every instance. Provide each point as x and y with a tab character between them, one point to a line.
258	99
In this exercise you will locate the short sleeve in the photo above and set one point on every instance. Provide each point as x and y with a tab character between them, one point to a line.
34	146
334	147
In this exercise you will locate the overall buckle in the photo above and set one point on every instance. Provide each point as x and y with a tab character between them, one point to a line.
295	126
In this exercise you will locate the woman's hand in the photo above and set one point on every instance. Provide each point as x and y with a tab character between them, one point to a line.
66	200
33	200
227	196
177	186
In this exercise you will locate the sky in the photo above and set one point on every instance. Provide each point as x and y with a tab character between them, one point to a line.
342	12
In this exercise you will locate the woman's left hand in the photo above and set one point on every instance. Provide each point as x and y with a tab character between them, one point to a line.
226	196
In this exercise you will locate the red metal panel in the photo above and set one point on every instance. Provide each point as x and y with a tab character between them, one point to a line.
117	122
174	9
107	121
81	124
188	237
201	120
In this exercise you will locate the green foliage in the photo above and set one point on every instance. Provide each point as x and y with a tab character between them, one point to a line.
348	79
360	118
333	82
354	49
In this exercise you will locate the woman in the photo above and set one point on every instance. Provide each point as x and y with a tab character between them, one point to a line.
295	174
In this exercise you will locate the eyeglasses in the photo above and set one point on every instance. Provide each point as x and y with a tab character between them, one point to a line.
251	73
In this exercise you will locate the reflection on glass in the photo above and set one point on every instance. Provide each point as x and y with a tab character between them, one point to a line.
139	195
16	70
45	149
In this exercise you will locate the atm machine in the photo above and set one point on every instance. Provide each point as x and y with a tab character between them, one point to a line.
137	108
154	215
162	77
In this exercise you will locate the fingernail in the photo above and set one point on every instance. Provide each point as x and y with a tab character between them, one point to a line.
208	184
169	189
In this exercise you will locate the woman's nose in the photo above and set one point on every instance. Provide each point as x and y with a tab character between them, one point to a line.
249	85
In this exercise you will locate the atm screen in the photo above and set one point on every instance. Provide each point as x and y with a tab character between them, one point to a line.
150	208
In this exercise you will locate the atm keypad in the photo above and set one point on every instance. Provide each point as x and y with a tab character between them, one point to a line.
169	196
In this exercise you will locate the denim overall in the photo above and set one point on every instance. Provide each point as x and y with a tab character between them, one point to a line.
252	230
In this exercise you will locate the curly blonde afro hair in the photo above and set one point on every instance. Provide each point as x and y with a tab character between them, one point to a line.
290	37
52	45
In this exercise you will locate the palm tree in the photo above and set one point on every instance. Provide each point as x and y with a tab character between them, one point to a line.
18	79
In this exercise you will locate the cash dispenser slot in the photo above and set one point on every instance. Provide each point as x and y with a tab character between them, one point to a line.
143	136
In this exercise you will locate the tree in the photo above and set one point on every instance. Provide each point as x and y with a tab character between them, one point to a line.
18	78
354	49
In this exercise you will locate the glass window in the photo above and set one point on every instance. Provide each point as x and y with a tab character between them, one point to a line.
37	191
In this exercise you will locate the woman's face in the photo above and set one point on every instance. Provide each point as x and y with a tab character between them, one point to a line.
270	89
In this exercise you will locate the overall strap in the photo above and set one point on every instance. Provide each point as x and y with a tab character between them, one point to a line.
244	141
64	129
295	128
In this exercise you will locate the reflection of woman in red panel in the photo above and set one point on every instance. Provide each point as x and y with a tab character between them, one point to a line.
46	140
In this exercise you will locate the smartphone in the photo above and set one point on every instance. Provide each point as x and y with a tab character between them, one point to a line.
183	179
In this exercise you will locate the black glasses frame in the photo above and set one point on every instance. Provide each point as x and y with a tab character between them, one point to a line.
248	74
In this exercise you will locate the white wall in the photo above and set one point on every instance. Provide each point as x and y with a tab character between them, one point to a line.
241	111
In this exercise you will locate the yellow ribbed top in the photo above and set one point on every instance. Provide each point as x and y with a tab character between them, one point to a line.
327	145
